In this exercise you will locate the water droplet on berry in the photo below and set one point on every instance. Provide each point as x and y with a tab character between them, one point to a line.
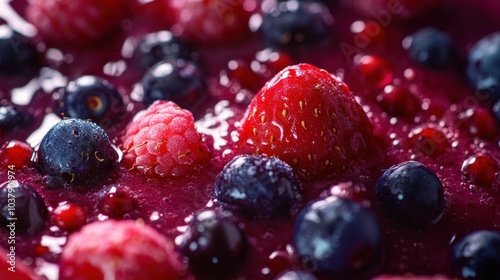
16	153
480	169
429	139
478	121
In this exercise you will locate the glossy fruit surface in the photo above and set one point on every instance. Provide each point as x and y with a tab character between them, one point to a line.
76	151
338	236
308	118
258	186
411	194
22	208
477	255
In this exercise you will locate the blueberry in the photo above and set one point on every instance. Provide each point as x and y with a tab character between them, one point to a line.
411	194
294	23
12	117
178	80
338	236
483	65
21	202
91	98
77	151
296	275
17	54
477	255
431	48
214	246
258	186
159	46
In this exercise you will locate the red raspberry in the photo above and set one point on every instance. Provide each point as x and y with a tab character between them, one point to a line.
75	22
308	118
164	142
16	153
118	250
210	21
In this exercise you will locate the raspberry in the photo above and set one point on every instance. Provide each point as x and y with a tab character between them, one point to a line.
164	142
209	21
118	250
75	22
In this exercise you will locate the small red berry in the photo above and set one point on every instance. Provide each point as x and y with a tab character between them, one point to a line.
117	202
429	139
479	121
16	153
480	169
69	216
368	34
273	61
241	72
399	101
374	70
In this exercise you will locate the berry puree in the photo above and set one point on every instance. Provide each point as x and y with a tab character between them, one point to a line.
141	140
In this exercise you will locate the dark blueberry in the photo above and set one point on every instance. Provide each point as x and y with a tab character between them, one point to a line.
91	98
477	255
78	151
17	54
214	246
411	194
12	117
431	48
22	208
178	80
159	46
296	275
294	23
338	236
258	186
483	66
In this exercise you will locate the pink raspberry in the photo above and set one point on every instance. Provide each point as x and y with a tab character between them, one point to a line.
164	141
75	22
118	250
210	21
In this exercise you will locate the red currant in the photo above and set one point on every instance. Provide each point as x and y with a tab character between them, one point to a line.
16	153
69	216
479	121
480	169
429	139
368	33
375	70
399	101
